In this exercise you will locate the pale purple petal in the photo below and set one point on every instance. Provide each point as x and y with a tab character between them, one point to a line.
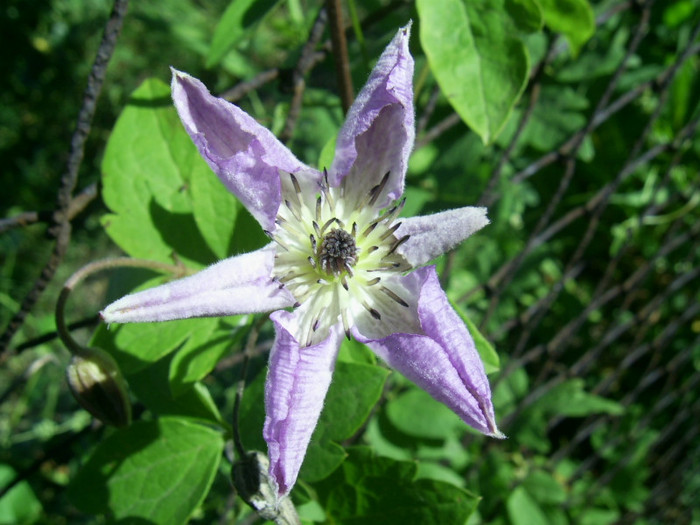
443	360
238	285
394	316
433	235
296	387
246	156
378	134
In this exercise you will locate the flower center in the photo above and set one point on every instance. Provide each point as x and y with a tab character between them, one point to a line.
337	252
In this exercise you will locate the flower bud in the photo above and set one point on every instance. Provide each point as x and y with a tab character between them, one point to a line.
98	385
259	490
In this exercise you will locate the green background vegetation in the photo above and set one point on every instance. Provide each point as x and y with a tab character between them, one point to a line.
574	123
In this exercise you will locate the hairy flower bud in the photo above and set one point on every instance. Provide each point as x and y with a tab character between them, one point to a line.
258	489
98	385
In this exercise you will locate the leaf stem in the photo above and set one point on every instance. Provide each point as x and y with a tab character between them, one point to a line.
104	264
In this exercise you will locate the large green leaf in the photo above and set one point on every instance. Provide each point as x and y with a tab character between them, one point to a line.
215	210
152	386
165	201
137	345
480	66
196	359
146	169
153	470
371	489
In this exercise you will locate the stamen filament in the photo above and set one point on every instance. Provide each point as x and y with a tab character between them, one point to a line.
397	244
372	311
374	192
390	231
395	297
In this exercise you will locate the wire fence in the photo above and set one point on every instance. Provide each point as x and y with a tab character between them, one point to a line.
655	344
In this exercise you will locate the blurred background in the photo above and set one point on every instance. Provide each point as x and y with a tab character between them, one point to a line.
586	282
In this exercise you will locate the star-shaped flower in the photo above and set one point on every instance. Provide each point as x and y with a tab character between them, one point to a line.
341	258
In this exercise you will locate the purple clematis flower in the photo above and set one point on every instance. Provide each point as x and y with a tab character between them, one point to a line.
339	259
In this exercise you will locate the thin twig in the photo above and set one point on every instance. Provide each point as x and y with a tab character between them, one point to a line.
62	230
307	60
340	53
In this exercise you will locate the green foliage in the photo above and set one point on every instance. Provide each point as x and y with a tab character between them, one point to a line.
481	67
368	489
436	421
148	169
354	391
126	474
238	20
573	18
384	451
486	350
20	505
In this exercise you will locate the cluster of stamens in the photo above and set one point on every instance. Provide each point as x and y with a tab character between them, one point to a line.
334	252
338	252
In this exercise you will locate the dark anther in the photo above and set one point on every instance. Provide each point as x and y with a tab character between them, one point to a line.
337	252
295	182
376	190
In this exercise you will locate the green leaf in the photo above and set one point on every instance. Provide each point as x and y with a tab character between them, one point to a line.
355	390
371	489
544	487
559	113
480	66
19	505
570	399
252	413
417	414
352	351
438	472
486	350
325	159
153	470
238	19
152	386
146	173
215	209
510	390
137	345
525	14
248	236
573	18
322	458
203	350
523	510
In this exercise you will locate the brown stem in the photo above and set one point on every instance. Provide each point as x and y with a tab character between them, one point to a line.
340	53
